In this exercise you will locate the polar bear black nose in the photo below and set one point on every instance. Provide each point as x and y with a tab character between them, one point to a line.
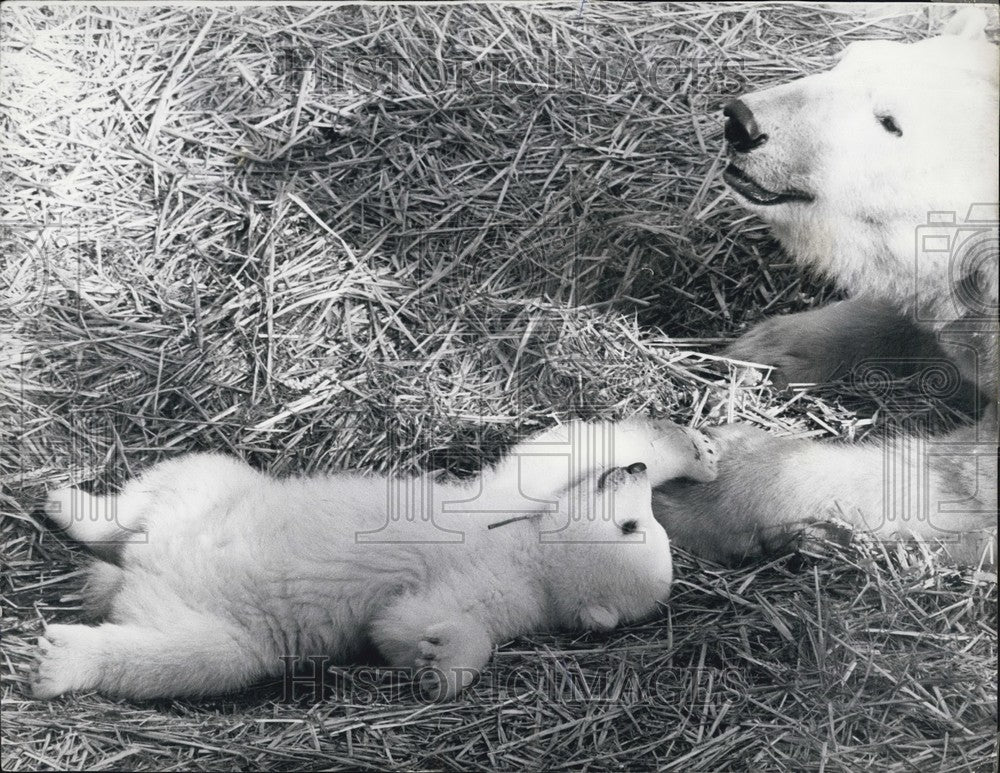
742	132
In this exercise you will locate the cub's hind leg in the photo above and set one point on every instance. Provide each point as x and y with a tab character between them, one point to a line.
104	581
139	662
184	485
87	518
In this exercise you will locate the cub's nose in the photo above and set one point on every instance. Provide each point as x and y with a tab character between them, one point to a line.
742	132
621	476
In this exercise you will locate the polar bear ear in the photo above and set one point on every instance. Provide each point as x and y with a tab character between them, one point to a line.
969	23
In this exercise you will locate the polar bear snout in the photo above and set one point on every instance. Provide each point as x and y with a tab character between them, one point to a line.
763	132
742	132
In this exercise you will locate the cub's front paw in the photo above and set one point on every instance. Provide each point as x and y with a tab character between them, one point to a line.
704	467
450	657
65	661
668	450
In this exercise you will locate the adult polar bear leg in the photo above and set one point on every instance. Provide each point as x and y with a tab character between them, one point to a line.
861	338
770	490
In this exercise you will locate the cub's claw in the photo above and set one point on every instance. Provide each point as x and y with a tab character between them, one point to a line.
449	659
705	467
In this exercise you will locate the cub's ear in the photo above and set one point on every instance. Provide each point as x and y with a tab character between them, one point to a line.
598	618
968	23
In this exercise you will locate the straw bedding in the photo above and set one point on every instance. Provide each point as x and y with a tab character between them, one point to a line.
403	238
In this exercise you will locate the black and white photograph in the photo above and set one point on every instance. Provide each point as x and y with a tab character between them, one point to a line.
499	386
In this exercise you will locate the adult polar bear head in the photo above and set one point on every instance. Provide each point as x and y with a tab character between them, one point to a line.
847	166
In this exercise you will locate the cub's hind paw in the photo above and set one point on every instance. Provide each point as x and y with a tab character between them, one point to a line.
83	516
65	661
450	657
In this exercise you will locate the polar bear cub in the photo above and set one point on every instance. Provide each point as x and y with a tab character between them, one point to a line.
236	569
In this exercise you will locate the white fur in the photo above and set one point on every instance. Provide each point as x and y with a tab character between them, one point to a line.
874	190
239	569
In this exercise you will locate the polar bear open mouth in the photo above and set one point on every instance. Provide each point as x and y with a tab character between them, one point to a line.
750	189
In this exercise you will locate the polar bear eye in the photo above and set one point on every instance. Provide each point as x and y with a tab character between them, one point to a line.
630	527
890	125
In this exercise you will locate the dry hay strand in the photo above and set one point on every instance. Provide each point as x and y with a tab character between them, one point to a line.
401	238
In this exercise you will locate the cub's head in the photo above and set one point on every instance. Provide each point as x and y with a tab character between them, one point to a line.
847	165
605	558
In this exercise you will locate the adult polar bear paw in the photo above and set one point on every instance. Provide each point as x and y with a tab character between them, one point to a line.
755	507
861	340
